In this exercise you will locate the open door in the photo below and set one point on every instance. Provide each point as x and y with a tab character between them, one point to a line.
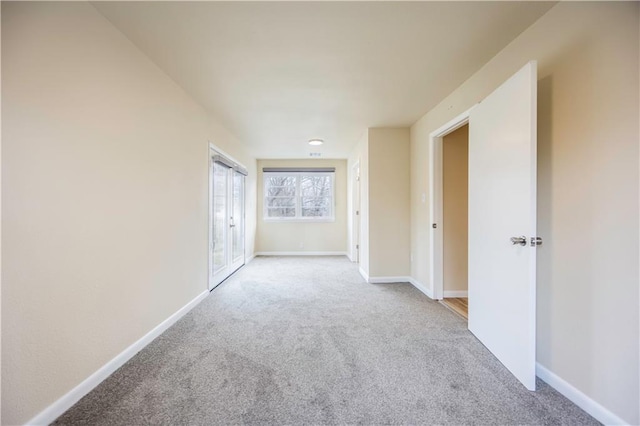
502	223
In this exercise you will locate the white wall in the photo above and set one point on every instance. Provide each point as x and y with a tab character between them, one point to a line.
104	199
278	237
588	112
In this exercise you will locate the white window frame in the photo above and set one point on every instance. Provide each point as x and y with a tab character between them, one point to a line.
298	217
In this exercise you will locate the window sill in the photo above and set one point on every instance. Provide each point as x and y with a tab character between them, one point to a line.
299	220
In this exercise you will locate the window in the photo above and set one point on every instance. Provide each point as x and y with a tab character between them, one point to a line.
298	195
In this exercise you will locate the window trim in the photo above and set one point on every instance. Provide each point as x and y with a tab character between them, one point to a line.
297	196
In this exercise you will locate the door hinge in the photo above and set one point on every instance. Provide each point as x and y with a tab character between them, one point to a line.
357	246
357	212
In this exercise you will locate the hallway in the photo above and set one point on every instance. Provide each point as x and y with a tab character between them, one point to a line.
304	340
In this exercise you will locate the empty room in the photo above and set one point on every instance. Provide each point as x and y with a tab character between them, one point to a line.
314	213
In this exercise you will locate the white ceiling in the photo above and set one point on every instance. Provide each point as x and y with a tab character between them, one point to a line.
280	73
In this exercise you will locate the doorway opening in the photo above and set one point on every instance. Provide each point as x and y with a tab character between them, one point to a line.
454	223
449	186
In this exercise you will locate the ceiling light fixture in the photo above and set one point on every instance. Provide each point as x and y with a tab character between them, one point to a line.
316	142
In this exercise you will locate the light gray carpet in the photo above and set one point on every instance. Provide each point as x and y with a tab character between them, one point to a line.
305	340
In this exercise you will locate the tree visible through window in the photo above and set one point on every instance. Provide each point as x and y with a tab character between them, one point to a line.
298	195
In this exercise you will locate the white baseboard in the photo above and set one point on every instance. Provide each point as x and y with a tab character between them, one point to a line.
364	274
389	280
55	410
596	410
423	288
301	253
249	259
399	279
456	293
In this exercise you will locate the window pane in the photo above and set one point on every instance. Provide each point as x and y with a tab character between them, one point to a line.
316	212
220	175
280	191
281	202
315	186
316	206
281	212
238	215
280	180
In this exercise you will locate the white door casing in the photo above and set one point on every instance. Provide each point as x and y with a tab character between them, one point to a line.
502	204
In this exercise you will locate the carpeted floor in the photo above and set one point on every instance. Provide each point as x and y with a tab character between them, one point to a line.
304	340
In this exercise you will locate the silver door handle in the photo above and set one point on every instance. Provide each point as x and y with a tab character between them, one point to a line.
522	241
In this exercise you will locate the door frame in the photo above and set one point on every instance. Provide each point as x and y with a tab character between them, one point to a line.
211	150
435	187
355	207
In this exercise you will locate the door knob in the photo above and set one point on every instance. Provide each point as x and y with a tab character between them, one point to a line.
522	241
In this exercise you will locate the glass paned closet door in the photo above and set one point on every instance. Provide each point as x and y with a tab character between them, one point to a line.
238	218
220	217
227	221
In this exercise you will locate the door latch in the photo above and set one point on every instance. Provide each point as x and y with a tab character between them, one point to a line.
536	241
522	241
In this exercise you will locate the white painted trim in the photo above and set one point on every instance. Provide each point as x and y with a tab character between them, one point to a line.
55	410
364	274
424	289
249	259
301	253
436	258
574	395
399	279
214	147
389	280
456	293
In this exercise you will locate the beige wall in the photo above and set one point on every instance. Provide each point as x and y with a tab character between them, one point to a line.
305	236
389	214
455	173
383	155
587	191
104	199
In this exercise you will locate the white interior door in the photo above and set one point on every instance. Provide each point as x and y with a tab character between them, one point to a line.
502	205
355	250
